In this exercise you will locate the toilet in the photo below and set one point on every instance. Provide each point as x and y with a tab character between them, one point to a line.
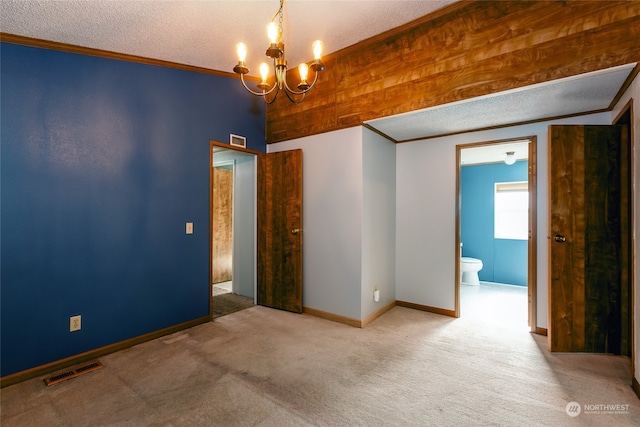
469	268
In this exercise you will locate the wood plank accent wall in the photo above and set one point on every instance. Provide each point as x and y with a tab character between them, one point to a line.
222	262
469	49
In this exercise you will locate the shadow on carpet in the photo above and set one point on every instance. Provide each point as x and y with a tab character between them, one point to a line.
229	303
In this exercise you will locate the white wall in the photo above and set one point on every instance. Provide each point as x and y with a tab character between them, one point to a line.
379	221
244	226
341	215
332	220
425	216
633	92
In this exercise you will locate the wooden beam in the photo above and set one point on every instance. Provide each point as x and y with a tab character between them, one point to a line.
468	50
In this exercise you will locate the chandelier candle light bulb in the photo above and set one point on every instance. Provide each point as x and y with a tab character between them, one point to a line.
241	68
264	73
272	33
318	47
275	51
241	48
303	69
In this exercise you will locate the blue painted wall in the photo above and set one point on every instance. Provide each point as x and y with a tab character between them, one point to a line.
504	260
102	164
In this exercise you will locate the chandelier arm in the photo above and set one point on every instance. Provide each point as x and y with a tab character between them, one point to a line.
266	101
300	92
294	92
315	79
263	93
289	95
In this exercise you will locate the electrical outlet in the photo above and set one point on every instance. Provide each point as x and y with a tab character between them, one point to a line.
75	323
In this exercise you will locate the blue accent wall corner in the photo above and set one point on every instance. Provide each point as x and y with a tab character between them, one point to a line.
102	164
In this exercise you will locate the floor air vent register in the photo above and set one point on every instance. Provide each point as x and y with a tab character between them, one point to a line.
63	376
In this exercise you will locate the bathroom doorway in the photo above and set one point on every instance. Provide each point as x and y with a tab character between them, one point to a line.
233	241
495	232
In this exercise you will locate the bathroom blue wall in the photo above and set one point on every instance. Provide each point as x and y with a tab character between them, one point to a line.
504	260
102	164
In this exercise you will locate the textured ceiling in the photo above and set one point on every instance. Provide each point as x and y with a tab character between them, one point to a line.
204	33
573	95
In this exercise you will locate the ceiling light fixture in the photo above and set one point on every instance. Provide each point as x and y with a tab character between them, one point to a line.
275	51
510	158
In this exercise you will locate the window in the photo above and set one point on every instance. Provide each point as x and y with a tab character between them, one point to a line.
511	214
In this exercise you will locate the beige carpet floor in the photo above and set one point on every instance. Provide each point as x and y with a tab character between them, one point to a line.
265	367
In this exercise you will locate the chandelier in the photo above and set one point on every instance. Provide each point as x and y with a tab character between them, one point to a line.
275	51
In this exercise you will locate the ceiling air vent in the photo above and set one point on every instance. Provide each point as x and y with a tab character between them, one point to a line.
84	369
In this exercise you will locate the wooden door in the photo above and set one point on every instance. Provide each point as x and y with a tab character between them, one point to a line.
222	250
280	230
586	286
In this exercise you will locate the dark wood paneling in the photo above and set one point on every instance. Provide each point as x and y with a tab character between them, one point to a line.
587	295
222	251
471	49
602	239
280	230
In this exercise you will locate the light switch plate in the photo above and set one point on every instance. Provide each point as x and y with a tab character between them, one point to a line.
189	228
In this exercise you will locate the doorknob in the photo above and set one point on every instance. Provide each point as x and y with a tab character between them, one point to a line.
295	231
560	239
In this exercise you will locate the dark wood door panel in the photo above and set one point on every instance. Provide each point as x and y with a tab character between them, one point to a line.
280	230
585	294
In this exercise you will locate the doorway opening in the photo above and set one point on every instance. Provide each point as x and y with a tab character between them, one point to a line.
232	218
495	232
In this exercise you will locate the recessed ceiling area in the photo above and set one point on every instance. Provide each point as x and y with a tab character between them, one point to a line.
580	94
